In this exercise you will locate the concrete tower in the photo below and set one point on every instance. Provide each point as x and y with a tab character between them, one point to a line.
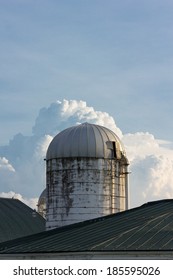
87	175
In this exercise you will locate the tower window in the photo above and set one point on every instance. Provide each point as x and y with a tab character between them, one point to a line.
112	146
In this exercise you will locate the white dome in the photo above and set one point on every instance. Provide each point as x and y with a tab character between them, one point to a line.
85	140
42	203
42	197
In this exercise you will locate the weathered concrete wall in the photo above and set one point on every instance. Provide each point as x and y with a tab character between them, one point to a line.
79	189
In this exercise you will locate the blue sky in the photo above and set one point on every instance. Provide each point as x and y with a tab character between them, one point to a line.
115	55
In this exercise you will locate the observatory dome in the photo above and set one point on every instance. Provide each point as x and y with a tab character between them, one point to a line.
85	140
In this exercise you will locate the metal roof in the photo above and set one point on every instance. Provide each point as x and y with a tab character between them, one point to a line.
148	227
84	140
18	220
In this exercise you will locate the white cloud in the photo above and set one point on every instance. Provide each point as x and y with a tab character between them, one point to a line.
62	114
5	165
151	164
26	153
82	113
161	183
22	166
42	146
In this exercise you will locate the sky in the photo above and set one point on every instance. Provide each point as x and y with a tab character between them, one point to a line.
64	62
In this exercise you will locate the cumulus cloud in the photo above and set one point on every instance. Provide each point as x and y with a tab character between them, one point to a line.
151	165
62	114
25	173
22	166
25	154
5	165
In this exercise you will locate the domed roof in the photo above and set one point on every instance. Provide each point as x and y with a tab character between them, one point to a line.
85	140
42	197
42	204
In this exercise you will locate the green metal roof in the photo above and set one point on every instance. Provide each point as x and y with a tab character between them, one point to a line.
148	227
18	220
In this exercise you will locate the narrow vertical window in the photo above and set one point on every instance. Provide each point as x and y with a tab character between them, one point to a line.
114	149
